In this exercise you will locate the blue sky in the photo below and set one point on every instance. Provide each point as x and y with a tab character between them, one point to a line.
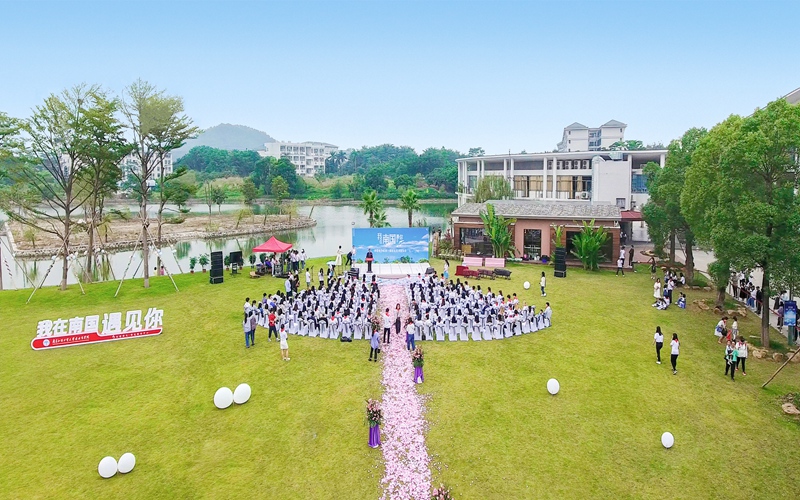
500	75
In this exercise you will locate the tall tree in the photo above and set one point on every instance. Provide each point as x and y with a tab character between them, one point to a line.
156	123
476	152
249	191
741	191
371	205
665	186
410	203
280	190
105	151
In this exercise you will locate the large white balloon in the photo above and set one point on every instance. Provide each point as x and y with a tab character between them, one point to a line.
126	463
667	439
553	386
526	285
107	467
223	398
241	394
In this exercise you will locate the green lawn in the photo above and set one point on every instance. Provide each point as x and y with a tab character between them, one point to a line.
497	433
494	433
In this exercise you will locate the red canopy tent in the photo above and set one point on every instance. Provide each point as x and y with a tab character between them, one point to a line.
272	245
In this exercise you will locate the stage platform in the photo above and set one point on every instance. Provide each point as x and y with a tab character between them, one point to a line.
392	271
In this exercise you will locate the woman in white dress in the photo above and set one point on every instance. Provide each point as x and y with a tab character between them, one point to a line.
526	319
358	327
427	328
657	289
508	329
497	327
463	335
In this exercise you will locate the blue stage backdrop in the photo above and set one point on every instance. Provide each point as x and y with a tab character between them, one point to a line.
391	244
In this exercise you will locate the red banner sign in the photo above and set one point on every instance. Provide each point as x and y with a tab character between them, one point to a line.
40	343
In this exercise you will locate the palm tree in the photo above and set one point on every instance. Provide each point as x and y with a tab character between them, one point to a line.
379	220
371	205
410	203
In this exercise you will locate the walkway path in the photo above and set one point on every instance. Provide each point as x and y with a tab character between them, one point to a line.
405	454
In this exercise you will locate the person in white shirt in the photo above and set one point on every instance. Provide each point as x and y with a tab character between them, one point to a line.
676	347
247	306
658	340
548	314
410	330
741	347
287	286
542	283
308	278
303	259
657	289
621	265
387	326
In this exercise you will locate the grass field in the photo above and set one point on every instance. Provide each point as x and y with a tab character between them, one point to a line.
494	430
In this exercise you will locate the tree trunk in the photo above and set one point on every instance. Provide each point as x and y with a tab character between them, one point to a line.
689	257
87	275
65	267
145	248
765	305
409	218
720	298
672	246
160	221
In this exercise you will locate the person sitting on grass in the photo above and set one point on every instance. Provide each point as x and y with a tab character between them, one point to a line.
682	301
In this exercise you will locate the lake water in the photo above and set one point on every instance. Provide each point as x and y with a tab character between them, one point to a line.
334	224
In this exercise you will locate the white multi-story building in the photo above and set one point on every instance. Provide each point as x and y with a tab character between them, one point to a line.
131	164
588	177
307	157
579	137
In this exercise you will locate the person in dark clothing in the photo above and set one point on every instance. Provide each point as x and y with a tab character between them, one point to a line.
759	300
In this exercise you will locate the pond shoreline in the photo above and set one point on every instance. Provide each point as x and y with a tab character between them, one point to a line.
298	222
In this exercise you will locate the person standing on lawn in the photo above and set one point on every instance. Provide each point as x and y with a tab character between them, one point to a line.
446	271
271	325
410	330
675	346
246	328
321	278
374	345
657	289
658	340
253	323
397	318
733	359
542	284
284	344
308	279
630	259
741	348
621	264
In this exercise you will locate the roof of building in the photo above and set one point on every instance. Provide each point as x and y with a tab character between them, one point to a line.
613	123
793	97
575	126
543	210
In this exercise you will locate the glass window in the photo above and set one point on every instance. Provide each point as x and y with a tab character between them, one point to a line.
621	203
638	183
474	242
532	244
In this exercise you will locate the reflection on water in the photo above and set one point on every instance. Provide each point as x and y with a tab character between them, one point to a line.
334	226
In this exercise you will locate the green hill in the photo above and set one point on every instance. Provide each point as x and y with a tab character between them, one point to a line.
227	136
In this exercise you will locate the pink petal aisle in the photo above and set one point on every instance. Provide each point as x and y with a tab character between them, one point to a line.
407	474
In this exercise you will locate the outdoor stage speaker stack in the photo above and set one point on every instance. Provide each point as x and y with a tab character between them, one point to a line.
216	268
236	258
560	263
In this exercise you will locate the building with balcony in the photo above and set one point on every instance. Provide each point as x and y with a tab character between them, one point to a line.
307	157
131	164
583	177
579	137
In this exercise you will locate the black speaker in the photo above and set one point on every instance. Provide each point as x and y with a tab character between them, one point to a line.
216	272
560	274
215	280
216	257
560	263
236	257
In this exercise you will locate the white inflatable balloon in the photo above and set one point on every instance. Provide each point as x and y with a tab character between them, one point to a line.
526	285
223	398
667	439
241	394
107	467
126	463
553	386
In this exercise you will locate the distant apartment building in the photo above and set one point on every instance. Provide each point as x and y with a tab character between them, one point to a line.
579	137
307	157
131	165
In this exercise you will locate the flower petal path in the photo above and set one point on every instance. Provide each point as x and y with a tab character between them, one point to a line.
407	474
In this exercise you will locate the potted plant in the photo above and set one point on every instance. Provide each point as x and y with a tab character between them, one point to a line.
227	262
374	418
418	358
192	263
203	261
252	259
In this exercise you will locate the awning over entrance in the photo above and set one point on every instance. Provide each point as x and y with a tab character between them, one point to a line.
631	215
